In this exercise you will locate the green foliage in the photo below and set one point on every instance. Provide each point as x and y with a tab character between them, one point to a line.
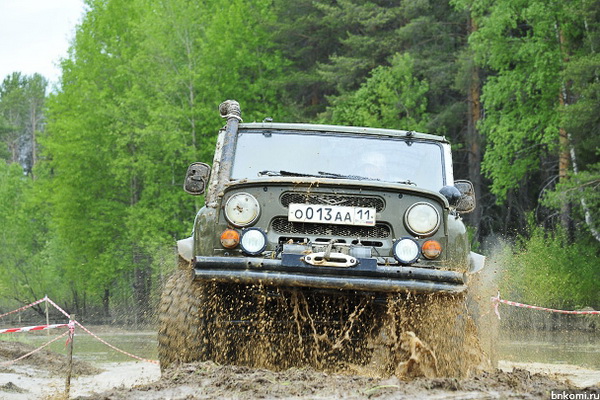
519	41
392	97
333	47
366	38
22	101
581	118
26	276
583	191
81	149
306	40
544	77
548	270
370	37
11	187
138	102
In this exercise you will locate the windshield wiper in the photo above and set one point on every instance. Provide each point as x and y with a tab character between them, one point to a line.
340	176
286	173
361	178
320	175
329	175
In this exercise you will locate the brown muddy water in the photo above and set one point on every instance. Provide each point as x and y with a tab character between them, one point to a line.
528	357
551	347
97	367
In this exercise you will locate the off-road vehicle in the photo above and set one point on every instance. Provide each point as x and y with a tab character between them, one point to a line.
309	237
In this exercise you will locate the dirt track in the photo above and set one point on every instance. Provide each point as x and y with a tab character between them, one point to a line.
43	377
209	381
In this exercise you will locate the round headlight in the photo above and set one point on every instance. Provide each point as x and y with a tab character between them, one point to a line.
254	241
242	209
422	219
406	250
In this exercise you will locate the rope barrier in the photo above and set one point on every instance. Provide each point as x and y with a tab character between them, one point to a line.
34	351
113	347
496	300
32	328
24	307
70	331
57	307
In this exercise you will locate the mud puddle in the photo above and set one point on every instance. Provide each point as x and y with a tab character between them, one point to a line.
134	380
27	382
98	375
208	381
43	378
96	368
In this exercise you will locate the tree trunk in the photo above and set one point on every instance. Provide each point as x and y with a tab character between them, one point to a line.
106	302
564	145
142	284
474	137
567	153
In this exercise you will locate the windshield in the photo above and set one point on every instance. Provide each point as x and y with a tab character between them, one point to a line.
339	156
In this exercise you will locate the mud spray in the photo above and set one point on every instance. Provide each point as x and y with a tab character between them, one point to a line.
259	326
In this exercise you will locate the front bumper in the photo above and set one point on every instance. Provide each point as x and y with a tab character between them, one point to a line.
292	271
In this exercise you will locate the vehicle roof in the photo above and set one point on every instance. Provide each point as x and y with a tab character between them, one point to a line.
342	129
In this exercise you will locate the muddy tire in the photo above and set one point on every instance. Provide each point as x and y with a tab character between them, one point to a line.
181	337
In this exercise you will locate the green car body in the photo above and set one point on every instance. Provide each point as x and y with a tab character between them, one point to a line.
330	207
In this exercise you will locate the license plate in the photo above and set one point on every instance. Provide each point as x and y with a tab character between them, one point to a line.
339	215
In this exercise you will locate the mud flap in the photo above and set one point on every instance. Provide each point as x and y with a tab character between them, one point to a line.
476	262
185	248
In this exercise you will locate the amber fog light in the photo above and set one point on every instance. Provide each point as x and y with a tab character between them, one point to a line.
431	249
230	238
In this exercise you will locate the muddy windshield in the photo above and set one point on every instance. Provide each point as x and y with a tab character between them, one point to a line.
359	157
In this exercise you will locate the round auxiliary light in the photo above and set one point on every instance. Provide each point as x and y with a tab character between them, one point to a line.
406	250
242	209
254	241
230	238
422	219
431	249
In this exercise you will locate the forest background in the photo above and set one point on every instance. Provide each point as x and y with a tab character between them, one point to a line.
90	184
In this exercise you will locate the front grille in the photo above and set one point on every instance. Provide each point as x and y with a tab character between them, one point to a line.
332	200
283	226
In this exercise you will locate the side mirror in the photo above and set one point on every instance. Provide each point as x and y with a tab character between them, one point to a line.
452	194
467	201
196	177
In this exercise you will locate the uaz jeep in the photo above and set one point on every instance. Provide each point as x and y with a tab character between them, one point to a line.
330	215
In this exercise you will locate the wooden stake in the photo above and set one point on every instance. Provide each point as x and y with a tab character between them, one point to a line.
70	355
47	317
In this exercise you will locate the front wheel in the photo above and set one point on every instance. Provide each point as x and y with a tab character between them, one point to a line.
181	334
